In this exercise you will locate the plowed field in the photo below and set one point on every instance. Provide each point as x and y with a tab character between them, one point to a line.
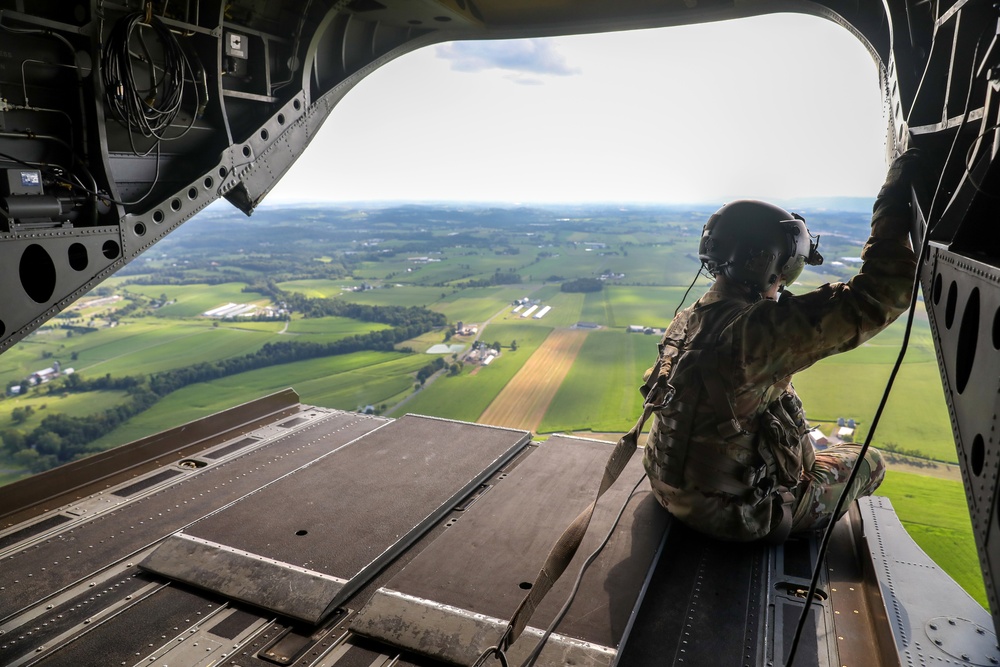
523	402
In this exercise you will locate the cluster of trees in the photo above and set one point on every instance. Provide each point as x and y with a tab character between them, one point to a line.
404	317
583	285
430	369
905	451
20	415
273	354
61	438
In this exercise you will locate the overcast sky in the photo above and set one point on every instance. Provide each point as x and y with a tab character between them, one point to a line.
775	107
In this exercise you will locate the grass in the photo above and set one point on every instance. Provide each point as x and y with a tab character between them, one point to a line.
600	393
316	289
566	309
850	385
28	355
9	475
647	306
935	514
332	326
73	405
151	345
407	295
476	305
422	342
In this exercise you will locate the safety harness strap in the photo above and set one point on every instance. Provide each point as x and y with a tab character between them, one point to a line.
780	532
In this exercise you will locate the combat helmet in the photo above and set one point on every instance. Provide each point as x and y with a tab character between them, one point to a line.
755	243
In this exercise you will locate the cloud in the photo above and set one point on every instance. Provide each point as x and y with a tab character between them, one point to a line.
534	56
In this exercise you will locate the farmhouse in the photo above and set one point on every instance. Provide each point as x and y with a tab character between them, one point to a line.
818	440
47	374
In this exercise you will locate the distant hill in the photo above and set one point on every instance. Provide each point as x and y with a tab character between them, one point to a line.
846	204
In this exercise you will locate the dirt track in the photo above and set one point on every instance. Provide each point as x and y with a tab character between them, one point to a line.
523	402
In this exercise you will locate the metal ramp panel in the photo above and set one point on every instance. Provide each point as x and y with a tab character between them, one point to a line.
452	601
304	544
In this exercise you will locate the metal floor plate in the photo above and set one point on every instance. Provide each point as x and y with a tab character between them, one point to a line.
40	566
453	600
304	544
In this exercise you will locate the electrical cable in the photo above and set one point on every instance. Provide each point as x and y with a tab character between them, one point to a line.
51	169
688	290
79	78
537	651
914	294
149	111
491	651
969	157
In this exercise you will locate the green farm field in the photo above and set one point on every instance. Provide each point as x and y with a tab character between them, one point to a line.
346	382
142	347
74	405
600	393
193	300
407	295
648	306
36	352
935	514
151	345
566	309
476	305
315	288
850	385
311	327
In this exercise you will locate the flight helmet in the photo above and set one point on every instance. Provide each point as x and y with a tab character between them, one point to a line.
755	243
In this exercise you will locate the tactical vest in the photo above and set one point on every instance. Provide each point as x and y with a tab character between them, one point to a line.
698	440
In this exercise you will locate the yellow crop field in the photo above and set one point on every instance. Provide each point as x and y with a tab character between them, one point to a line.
523	402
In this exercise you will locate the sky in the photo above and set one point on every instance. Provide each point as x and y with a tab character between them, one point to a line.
778	107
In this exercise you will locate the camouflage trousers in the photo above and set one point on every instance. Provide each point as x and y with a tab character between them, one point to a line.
817	494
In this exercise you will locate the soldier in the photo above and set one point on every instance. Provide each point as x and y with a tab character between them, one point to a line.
728	452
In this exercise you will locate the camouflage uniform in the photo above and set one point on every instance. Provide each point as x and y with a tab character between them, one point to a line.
728	452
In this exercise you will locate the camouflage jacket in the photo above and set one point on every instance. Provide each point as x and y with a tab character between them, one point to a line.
733	429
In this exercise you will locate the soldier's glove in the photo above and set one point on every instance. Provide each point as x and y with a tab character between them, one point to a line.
902	173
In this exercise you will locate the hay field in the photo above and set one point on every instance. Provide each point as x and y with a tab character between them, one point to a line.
523	402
